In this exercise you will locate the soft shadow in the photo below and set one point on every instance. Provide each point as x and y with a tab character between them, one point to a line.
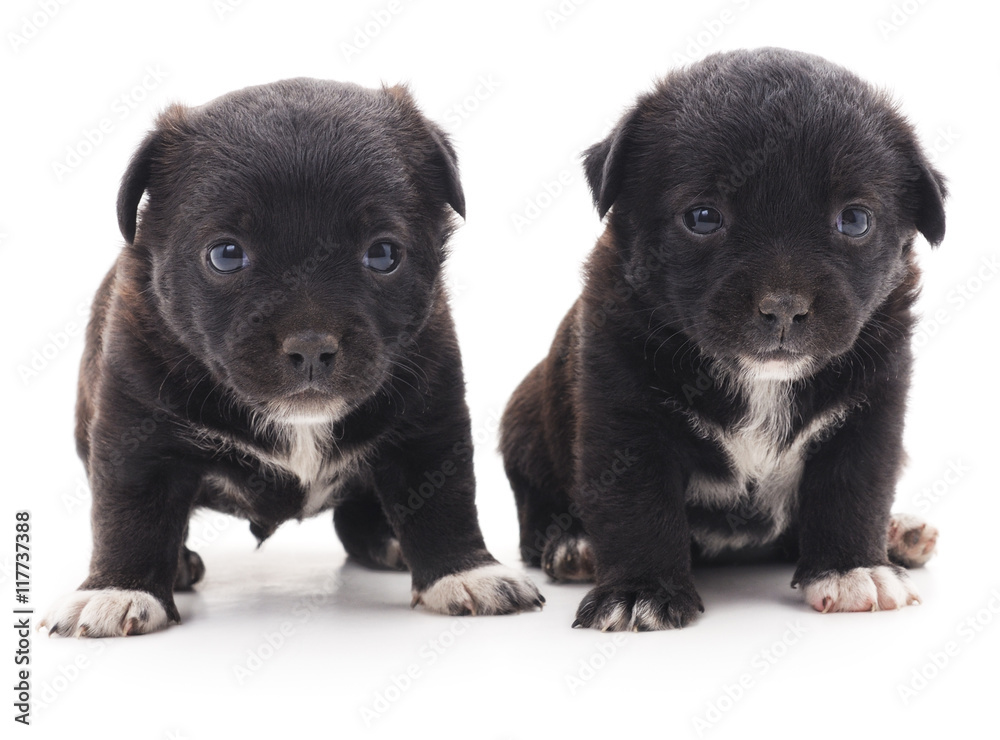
729	584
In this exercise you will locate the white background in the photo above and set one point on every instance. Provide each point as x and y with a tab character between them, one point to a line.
549	85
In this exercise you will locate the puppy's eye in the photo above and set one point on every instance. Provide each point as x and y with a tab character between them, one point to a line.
703	220
382	257
854	221
227	258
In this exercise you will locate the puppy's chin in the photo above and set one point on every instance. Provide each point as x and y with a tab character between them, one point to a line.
785	367
299	409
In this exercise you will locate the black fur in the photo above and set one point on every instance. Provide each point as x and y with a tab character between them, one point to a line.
192	379
651	364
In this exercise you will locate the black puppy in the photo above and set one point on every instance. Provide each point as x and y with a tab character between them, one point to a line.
274	341
734	375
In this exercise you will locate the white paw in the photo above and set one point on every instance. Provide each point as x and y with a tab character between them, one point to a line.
911	540
105	613
488	589
862	590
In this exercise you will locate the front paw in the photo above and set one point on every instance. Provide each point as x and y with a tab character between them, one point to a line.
861	590
488	589
105	613
657	606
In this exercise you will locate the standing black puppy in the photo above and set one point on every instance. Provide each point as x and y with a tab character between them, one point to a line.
735	373
275	341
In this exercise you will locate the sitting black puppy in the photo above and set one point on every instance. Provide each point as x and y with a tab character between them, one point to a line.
274	341
734	376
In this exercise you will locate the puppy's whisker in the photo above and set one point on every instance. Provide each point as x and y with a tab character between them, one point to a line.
201	409
159	390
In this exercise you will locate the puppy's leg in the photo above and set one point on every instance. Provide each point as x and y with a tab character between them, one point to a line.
427	490
641	540
139	516
844	500
630	491
428	495
365	532
552	535
536	440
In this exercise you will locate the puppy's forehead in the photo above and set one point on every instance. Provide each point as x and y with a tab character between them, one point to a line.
314	146
776	126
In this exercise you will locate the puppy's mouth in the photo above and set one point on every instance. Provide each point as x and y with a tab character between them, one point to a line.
778	364
308	406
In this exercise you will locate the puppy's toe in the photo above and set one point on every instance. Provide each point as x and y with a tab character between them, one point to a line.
190	570
488	589
912	541
391	556
105	613
569	558
862	590
662	606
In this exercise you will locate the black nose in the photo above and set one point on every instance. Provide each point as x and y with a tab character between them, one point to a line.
311	353
781	310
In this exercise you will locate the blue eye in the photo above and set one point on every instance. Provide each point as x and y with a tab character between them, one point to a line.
382	257
226	258
703	220
854	221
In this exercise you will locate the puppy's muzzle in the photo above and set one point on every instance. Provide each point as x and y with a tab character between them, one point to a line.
780	313
311	354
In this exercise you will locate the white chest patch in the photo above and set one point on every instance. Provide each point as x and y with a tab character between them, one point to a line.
308	453
308	460
765	468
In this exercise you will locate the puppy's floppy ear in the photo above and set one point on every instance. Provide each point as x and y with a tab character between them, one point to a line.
931	192
140	168
447	165
443	159
134	184
604	162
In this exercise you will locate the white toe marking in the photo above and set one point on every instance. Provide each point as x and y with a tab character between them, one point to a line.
617	620
487	589
862	590
106	613
643	615
559	556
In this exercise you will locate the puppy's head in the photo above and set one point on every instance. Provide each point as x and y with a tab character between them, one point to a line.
766	202
294	234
